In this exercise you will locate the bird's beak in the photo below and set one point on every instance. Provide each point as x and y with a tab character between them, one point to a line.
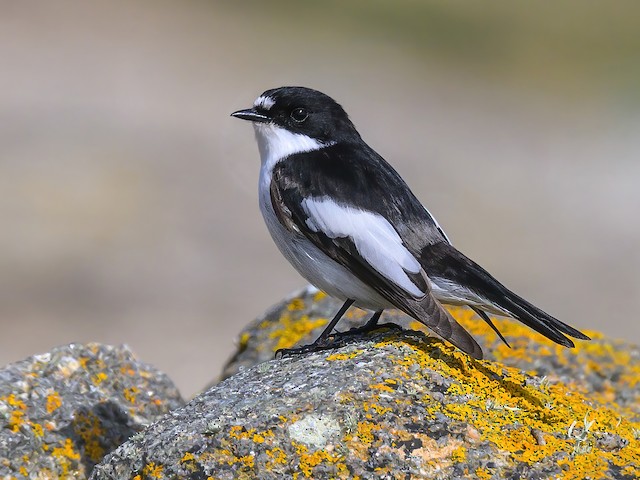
252	115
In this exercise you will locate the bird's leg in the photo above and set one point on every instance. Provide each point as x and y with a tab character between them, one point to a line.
485	317
320	342
373	321
371	325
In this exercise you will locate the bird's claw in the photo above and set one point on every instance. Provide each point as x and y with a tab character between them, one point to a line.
336	340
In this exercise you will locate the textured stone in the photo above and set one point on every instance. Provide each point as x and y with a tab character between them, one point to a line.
62	411
385	405
605	369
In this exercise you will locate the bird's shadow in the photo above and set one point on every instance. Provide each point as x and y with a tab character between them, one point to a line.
436	349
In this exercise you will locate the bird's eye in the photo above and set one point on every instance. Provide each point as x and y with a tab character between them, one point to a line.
299	115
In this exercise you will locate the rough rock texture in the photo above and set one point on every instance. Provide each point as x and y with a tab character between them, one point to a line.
387	405
62	411
604	369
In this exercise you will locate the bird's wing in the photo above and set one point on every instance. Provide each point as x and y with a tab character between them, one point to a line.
355	175
445	263
366	243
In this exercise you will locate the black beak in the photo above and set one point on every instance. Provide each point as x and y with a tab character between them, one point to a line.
252	115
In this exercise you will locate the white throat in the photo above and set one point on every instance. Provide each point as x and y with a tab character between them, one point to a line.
276	143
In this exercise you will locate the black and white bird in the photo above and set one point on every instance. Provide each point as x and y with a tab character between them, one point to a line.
351	226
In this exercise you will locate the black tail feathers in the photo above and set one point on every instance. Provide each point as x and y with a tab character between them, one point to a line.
444	261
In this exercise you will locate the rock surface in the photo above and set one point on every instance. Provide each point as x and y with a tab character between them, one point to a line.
605	369
392	405
62	411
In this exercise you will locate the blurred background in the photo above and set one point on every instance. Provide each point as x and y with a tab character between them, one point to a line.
128	195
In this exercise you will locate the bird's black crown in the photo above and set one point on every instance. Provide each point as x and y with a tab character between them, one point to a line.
306	111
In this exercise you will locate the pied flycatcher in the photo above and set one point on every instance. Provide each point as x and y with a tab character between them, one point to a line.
351	226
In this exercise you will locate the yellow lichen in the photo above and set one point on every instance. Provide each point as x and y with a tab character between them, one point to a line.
295	304
344	356
307	460
293	330
187	457
483	474
277	456
152	470
53	402
130	394
37	429
17	412
64	455
459	454
498	397
382	387
88	426
244	340
99	377
319	295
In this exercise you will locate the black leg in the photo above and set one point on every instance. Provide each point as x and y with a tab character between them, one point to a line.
373	321
370	326
321	340
327	331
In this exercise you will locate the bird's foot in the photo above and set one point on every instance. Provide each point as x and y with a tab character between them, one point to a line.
335	340
311	348
368	328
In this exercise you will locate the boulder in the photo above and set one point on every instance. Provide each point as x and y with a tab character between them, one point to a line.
62	411
399	404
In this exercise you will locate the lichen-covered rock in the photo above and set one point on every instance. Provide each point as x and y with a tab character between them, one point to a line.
602	369
62	411
297	320
387	405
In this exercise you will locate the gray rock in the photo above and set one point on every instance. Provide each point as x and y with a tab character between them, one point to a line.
62	411
607	368
386	405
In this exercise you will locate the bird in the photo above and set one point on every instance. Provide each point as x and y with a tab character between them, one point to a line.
350	225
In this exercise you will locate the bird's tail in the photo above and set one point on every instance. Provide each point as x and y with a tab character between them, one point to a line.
430	312
445	262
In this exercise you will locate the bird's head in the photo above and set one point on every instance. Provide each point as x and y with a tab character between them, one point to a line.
297	116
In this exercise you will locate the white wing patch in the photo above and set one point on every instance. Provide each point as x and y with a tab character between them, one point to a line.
374	237
265	103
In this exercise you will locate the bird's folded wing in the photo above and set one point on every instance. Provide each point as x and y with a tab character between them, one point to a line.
363	242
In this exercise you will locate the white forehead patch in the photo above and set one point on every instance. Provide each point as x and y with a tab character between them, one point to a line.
265	103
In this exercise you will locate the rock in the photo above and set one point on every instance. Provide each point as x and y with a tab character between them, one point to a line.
605	369
385	405
62	411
